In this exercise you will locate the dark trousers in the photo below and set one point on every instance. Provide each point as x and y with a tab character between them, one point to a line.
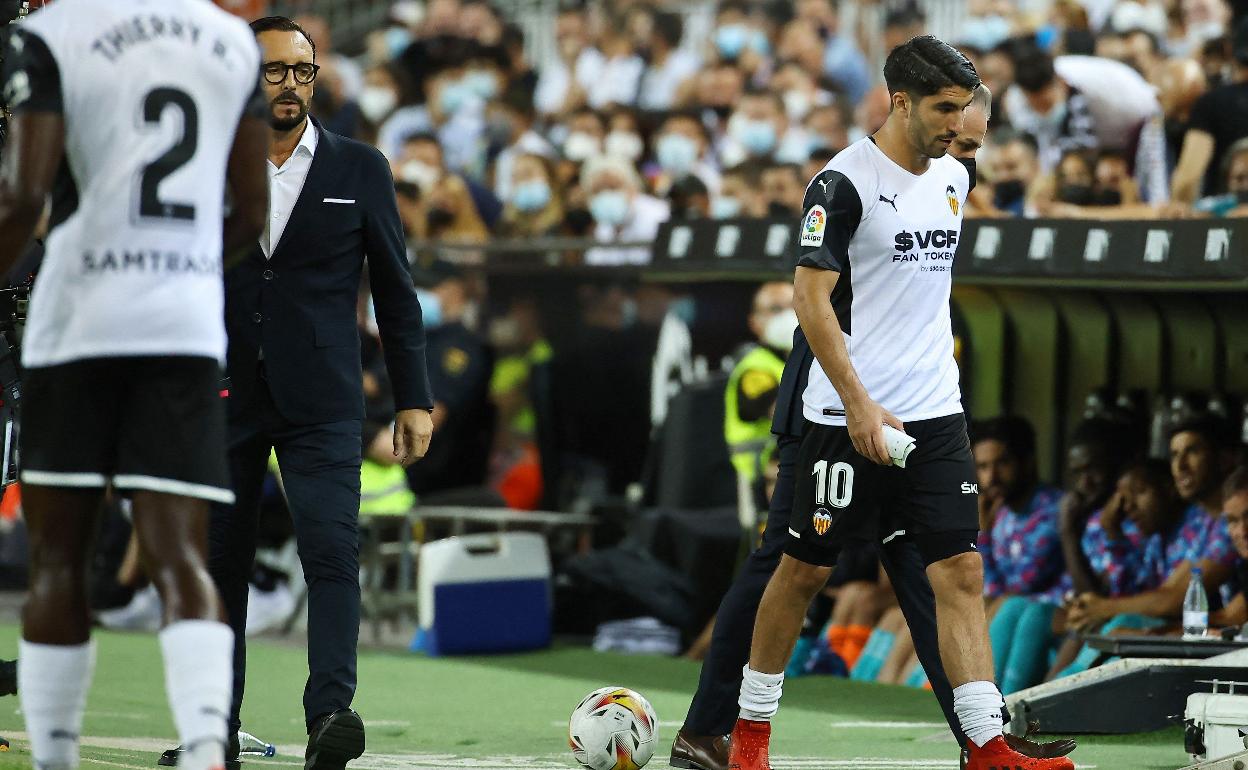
714	708
320	467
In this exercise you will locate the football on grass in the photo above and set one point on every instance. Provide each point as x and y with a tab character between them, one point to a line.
613	728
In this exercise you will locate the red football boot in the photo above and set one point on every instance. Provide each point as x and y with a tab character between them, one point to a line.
747	748
996	755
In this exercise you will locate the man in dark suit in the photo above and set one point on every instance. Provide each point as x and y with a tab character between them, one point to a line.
295	378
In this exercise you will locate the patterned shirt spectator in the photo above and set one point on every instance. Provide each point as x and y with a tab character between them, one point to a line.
1198	537
1119	562
1022	552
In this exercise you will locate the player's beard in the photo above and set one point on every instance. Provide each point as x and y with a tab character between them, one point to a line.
287	124
927	142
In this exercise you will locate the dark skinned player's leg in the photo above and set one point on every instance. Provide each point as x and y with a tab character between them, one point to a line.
55	652
173	539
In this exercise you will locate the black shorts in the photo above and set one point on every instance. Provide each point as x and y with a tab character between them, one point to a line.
842	496
136	422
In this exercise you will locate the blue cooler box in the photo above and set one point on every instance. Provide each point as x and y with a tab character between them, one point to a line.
484	593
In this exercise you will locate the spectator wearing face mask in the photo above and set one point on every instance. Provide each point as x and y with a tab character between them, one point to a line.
534	207
828	125
421	162
624	137
511	123
739	193
1234	202
738	40
1085	102
783	190
386	90
843	61
681	150
454	111
565	82
760	130
1218	120
667	64
621	211
1014	166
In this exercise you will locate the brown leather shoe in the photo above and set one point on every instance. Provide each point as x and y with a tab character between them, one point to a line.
1024	745
699	752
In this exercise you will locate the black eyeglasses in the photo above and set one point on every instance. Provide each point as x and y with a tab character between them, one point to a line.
275	72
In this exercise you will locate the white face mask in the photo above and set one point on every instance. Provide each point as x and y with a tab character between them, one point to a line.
420	174
625	144
580	146
778	333
796	105
376	102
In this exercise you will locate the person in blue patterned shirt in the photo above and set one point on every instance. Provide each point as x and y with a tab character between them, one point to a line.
1020	547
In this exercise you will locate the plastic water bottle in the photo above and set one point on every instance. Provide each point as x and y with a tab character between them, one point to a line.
250	744
1195	608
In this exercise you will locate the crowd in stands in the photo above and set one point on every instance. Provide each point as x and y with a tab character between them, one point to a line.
1104	109
1112	552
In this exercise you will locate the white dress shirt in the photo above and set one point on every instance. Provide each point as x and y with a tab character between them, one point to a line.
285	184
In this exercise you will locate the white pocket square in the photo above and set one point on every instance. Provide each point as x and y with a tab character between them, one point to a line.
339	200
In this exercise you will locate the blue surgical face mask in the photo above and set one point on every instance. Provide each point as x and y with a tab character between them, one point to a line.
730	40
757	136
454	94
481	83
676	153
430	308
609	207
531	196
725	208
397	40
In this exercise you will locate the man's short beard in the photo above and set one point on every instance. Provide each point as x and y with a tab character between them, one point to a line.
287	124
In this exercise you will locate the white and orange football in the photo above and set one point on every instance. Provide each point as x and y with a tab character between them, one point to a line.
613	728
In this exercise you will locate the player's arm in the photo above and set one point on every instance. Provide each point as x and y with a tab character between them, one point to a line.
824	251
1193	161
248	181
36	143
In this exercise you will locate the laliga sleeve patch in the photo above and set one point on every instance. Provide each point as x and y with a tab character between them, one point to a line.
813	225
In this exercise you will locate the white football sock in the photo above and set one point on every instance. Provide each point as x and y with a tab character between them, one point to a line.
52	682
199	676
978	706
760	694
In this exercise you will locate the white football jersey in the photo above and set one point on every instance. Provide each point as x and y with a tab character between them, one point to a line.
151	92
892	236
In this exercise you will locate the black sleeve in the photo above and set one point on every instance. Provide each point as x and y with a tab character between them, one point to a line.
394	297
756	393
969	165
32	81
1202	116
832	213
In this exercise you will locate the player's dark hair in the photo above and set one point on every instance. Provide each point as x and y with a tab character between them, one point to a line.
1033	68
923	65
1155	473
1236	483
282	24
1015	432
1218	432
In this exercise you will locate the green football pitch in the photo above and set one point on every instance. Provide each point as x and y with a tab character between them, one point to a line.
511	712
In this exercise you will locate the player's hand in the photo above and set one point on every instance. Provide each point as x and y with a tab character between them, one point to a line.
413	429
1088	611
865	420
1113	515
989	506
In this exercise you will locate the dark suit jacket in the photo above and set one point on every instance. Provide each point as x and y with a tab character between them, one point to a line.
300	305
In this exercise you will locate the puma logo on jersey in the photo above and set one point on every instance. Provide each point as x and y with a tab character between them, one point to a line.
892	203
824	184
970	489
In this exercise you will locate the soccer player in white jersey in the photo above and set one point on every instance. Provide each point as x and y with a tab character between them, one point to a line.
872	286
130	116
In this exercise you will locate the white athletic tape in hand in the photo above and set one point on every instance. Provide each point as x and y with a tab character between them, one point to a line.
899	445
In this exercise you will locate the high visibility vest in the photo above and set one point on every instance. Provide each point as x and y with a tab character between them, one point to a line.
384	490
749	443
